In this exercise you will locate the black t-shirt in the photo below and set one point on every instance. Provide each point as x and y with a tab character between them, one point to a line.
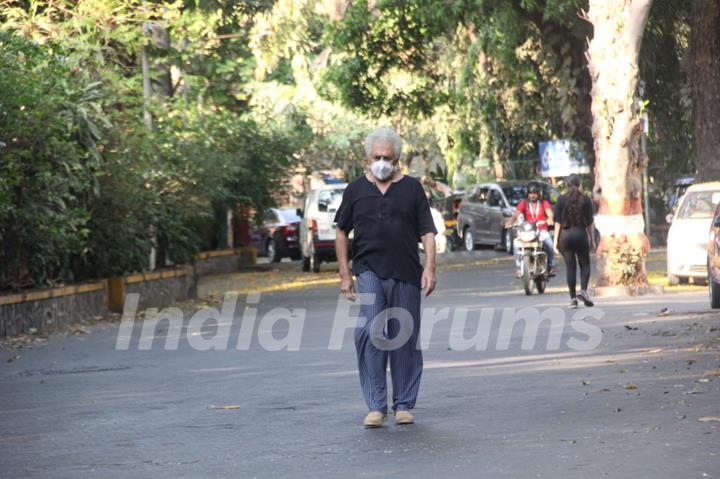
387	227
561	215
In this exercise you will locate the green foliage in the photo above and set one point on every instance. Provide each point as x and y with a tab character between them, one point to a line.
624	262
86	188
48	161
669	107
494	77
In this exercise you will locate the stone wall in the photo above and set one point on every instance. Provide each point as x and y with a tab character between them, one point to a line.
51	309
48	310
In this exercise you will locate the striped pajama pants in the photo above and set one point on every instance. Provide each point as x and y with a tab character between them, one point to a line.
375	329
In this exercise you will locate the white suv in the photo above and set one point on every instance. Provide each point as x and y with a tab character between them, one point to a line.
317	228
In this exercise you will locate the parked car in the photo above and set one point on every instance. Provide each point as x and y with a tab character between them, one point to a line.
485	208
713	260
687	237
277	235
317	227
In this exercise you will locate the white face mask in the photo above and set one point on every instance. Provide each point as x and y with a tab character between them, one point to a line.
381	169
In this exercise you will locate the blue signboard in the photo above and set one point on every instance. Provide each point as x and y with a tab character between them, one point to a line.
561	158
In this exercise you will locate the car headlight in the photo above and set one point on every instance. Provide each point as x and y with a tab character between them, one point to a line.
527	236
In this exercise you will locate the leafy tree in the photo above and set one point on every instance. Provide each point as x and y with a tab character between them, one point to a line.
87	189
618	28
49	126
705	74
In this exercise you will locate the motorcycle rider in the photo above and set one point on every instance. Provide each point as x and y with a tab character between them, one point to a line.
540	212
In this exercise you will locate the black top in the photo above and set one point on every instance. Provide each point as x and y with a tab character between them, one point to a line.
387	227
561	215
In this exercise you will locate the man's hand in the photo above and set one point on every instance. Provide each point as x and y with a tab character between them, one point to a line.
511	221
347	287
428	281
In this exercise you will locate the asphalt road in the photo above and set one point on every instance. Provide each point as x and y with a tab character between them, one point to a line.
645	402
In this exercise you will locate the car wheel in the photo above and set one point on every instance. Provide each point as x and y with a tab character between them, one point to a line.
315	263
700	281
683	279
305	264
714	290
273	252
508	241
468	239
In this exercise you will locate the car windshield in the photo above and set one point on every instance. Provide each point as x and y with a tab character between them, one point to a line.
329	200
698	205
514	194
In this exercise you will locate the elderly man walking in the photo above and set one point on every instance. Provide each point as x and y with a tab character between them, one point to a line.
389	214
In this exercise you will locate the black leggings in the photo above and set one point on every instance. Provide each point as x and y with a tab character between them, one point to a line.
574	242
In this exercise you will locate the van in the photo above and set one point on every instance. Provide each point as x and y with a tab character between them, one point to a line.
317	227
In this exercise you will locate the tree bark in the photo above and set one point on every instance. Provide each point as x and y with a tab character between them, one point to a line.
613	63
705	85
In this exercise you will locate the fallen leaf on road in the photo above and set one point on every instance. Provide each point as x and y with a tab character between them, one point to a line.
585	383
13	359
658	350
694	390
712	373
691	361
631	328
631	386
664	312
623	370
709	419
229	406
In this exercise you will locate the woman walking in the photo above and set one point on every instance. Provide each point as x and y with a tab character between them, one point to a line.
574	238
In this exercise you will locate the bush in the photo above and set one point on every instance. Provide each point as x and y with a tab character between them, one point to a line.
47	133
86	190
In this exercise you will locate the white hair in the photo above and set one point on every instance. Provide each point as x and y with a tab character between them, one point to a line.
383	135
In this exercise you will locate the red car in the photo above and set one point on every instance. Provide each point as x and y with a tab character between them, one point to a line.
277	236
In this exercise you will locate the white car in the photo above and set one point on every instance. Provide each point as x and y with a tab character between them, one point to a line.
317	227
688	235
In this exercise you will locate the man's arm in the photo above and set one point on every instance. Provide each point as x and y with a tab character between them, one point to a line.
341	250
428	276
511	221
549	213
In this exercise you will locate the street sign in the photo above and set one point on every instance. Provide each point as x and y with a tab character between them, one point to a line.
559	158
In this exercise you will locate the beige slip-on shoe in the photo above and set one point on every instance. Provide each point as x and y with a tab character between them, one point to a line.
403	417
374	419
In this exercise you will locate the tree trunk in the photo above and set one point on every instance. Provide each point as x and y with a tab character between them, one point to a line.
613	64
705	83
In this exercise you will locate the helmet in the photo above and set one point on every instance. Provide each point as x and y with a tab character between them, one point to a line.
533	187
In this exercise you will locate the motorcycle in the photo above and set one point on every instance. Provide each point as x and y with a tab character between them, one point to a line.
534	269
